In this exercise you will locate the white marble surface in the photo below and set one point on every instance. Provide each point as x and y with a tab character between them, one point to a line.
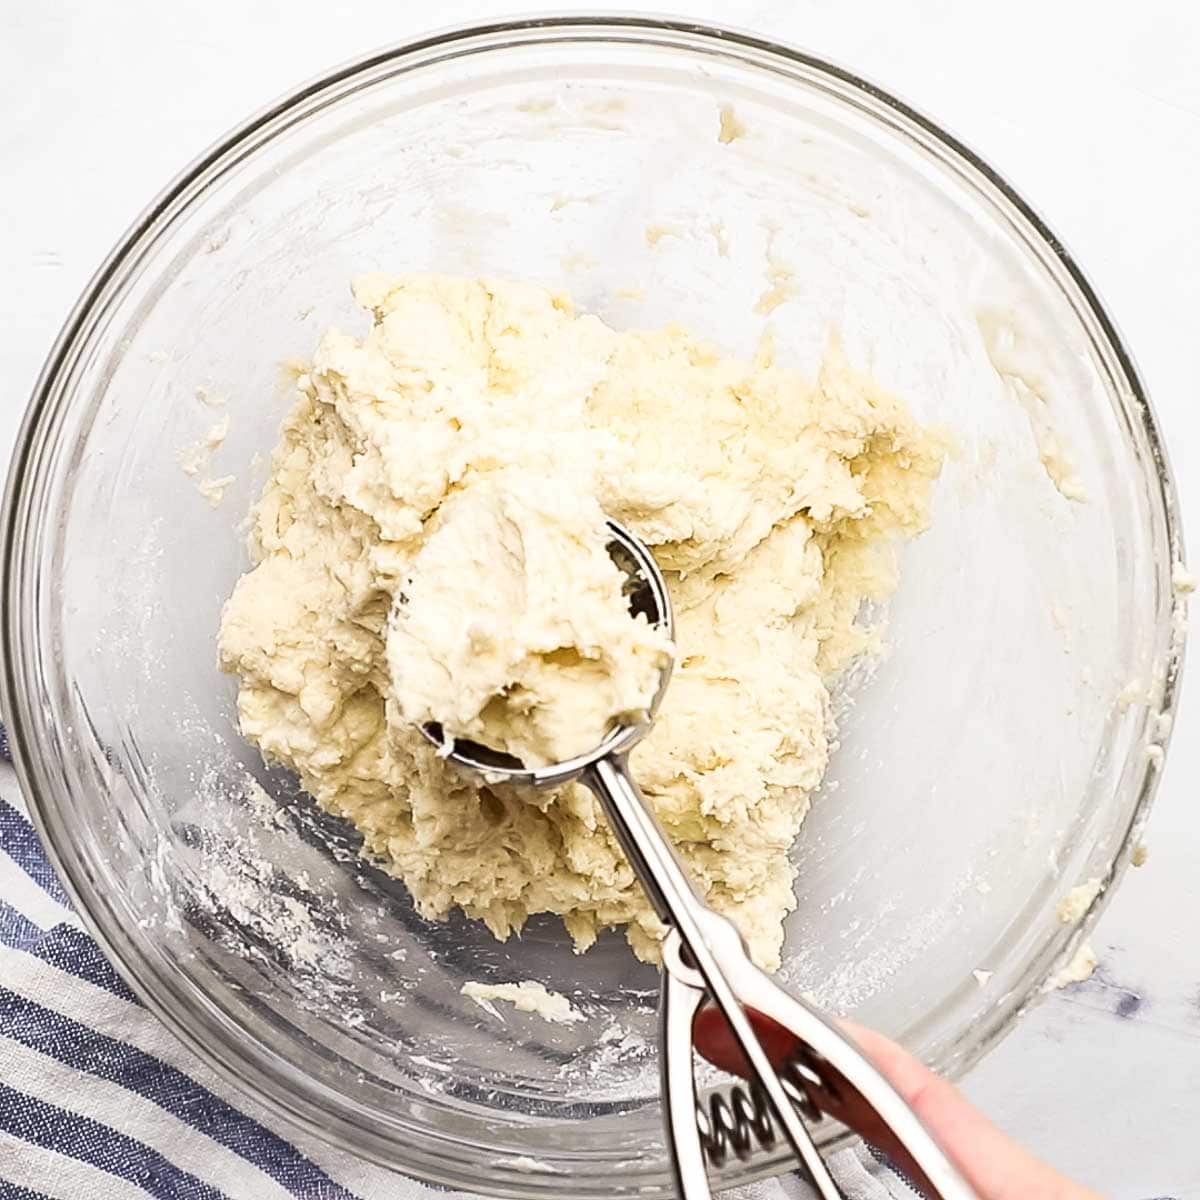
1092	110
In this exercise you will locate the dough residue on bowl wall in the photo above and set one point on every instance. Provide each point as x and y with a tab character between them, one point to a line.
1077	969
1020	365
195	459
528	996
1077	901
773	502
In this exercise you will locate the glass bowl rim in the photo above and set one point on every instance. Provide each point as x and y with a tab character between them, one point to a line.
19	689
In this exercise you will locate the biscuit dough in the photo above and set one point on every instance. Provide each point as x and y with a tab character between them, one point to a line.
514	629
528	996
1072	907
476	415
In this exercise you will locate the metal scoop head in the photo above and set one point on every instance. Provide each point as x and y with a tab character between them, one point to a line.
647	594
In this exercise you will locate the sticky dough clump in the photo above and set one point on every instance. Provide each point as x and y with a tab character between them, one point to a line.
439	480
513	629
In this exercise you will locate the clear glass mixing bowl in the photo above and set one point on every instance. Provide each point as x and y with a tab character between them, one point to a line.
1001	752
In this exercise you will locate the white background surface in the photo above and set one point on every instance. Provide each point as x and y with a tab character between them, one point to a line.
1092	112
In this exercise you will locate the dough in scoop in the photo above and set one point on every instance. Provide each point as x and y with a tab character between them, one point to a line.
514	630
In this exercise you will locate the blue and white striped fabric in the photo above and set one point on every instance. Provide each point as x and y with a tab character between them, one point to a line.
99	1102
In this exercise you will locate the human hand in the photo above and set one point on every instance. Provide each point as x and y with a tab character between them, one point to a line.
991	1162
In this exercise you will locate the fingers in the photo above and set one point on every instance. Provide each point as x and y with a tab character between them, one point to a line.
713	1039
992	1163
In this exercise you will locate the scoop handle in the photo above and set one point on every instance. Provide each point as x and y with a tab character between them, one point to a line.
708	943
654	860
866	1098
704	955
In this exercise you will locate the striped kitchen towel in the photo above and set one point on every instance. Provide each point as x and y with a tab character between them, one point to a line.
99	1102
